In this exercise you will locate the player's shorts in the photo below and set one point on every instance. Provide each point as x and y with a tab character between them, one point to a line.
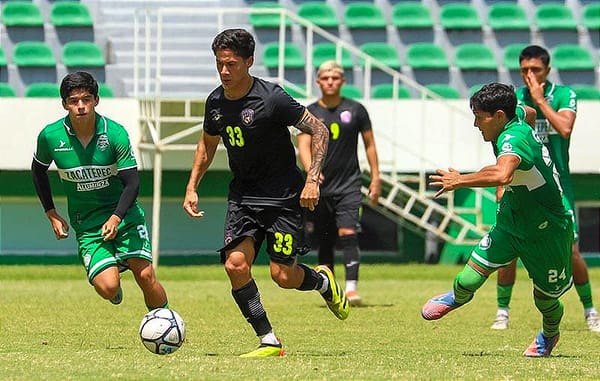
281	226
344	208
132	241
547	257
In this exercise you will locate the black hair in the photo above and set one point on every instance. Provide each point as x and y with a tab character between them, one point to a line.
240	41
78	80
493	97
535	51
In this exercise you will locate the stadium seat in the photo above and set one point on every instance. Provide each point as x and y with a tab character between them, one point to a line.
3	61
21	14
33	54
475	88
511	16
363	15
383	52
591	17
266	20
554	16
386	91
70	14
459	16
411	15
444	91
319	13
294	93
572	57
426	56
82	54
511	54
351	91
587	92
325	51
6	90
474	56
293	57
42	90
105	91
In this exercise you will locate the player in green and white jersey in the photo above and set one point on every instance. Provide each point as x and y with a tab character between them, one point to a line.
99	174
532	222
556	108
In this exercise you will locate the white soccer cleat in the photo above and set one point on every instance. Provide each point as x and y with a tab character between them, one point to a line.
593	321
501	322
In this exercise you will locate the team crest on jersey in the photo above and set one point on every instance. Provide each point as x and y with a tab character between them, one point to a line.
215	114
346	116
507	147
485	242
247	116
102	143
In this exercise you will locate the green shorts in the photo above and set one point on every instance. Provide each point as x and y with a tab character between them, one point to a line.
132	241
547	257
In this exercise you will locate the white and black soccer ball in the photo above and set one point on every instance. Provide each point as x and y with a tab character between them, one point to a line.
162	331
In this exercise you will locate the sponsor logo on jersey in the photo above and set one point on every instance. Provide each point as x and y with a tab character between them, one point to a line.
215	114
102	142
247	116
543	225
346	116
507	147
61	147
86	187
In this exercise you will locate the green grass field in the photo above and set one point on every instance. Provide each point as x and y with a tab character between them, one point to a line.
54	327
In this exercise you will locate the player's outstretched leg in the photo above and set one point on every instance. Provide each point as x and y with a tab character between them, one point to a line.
334	295
466	283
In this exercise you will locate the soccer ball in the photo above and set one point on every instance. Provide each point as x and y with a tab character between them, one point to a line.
162	331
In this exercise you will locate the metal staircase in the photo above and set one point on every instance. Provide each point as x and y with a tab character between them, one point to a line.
402	202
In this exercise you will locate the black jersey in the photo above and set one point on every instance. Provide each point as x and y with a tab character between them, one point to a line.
345	122
255	132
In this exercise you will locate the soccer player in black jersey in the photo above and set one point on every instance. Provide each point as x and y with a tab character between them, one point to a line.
268	191
338	211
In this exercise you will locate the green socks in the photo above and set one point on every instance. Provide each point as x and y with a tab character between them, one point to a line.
552	312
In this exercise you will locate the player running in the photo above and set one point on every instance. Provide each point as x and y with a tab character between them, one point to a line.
532	222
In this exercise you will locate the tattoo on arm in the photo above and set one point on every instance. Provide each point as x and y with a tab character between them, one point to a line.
320	139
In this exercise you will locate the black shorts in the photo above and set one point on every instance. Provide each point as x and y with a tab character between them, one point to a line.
281	226
343	210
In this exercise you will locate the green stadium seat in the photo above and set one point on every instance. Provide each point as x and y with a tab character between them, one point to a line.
475	88
363	15
267	20
33	54
82	54
319	13
554	16
425	55
70	14
3	61
411	15
443	90
511	16
386	91
591	16
474	56
383	52
296	93
21	14
459	16
572	57
325	51
6	90
587	92
293	57
510	56
105	91
43	90
351	91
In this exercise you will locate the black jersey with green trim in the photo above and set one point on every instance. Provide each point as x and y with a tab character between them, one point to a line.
255	132
345	122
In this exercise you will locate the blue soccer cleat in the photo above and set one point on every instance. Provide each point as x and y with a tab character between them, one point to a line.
541	346
439	305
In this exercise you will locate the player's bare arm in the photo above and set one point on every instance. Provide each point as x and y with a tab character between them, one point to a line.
319	141
203	157
561	121
371	151
498	174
